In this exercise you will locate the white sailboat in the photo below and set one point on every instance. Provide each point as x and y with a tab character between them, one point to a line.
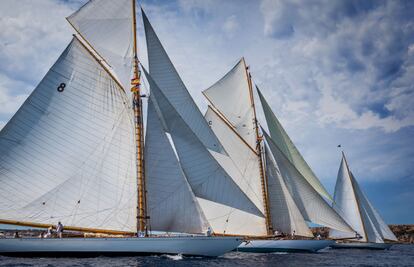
349	201
270	177
74	152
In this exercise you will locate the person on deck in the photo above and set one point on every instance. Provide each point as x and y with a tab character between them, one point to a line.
59	229
16	235
293	234
208	233
49	232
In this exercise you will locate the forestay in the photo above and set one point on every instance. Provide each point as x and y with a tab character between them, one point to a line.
172	206
206	177
285	144
107	26
68	154
311	205
232	96
286	217
169	82
242	165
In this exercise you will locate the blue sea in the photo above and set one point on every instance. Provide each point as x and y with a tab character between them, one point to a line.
398	255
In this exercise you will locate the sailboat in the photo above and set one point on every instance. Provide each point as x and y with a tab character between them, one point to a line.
75	151
269	170
370	229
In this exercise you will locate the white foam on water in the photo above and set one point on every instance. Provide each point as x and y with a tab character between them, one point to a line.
174	257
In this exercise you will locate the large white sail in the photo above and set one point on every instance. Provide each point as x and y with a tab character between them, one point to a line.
242	164
68	154
345	203
356	209
224	219
242	161
234	87
171	204
169	82
282	140
207	178
310	203
286	217
107	26
375	226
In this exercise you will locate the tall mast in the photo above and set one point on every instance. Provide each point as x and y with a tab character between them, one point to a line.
139	132
263	176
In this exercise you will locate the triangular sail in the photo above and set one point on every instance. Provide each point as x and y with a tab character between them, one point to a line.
242	164
345	203
356	209
234	87
282	140
169	82
68	154
382	230
242	161
172	206
207	178
311	205
286	217
107	26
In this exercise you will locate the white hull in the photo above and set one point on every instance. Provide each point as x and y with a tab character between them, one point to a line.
266	246
197	246
362	245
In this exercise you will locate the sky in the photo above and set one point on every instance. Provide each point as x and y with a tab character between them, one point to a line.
334	72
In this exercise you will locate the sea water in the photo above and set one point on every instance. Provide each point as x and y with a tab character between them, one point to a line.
398	255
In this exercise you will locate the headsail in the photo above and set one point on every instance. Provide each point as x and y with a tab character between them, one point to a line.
355	208
311	205
234	86
169	82
68	153
171	202
376	228
286	216
107	26
282	140
206	177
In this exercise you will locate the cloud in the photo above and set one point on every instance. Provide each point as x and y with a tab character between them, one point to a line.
358	52
31	39
333	71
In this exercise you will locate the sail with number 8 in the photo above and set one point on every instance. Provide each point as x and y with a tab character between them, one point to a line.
75	151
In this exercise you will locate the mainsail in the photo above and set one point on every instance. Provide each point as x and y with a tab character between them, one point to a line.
171	201
242	165
285	144
286	216
68	153
106	26
353	205
311	205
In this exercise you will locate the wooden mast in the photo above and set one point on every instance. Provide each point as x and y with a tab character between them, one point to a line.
139	132
263	176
